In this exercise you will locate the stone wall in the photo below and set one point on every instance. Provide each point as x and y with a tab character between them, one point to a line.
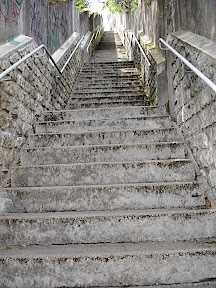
48	23
166	16
193	103
35	87
153	77
190	101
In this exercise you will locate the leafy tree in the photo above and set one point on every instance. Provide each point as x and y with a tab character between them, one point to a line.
148	2
121	6
82	4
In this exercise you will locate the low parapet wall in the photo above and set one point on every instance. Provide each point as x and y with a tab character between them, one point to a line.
153	77
192	102
33	87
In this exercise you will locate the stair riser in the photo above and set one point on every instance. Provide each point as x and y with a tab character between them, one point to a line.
108	70
110	228
109	73
104	124
68	155
117	65
129	112
110	77
103	173
109	94
100	138
107	105
107	98
108	80
105	85
108	89
105	270
117	197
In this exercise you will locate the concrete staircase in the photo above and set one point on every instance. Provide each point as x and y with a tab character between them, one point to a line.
106	195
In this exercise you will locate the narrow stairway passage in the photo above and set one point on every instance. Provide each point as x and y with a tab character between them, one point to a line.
106	195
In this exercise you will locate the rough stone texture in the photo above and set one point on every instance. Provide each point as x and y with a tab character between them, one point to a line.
118	195
102	197
134	226
193	102
164	17
153	77
104	173
105	265
33	89
104	137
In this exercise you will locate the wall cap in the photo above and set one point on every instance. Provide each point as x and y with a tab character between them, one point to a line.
152	50
198	42
14	45
58	54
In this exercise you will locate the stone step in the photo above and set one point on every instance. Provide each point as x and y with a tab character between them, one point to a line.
108	104
108	79
103	76
107	84
146	122
105	98
116	65
102	197
102	153
105	70
107	226
109	265
209	283
109	89
107	113
109	93
103	138
103	173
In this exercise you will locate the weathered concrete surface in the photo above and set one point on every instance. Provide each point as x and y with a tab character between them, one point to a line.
122	101
47	23
107	113
147	122
103	85
102	197
104	137
111	153
164	17
113	202
107	226
192	102
111	53
104	173
34	89
108	265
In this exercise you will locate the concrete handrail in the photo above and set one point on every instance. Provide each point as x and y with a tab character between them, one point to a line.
187	63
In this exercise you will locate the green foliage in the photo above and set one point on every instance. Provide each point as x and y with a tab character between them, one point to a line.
82	4
121	6
148	2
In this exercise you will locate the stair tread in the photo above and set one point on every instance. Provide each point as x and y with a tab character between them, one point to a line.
105	146
110	163
111	213
114	130
141	117
107	250
103	109
149	184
